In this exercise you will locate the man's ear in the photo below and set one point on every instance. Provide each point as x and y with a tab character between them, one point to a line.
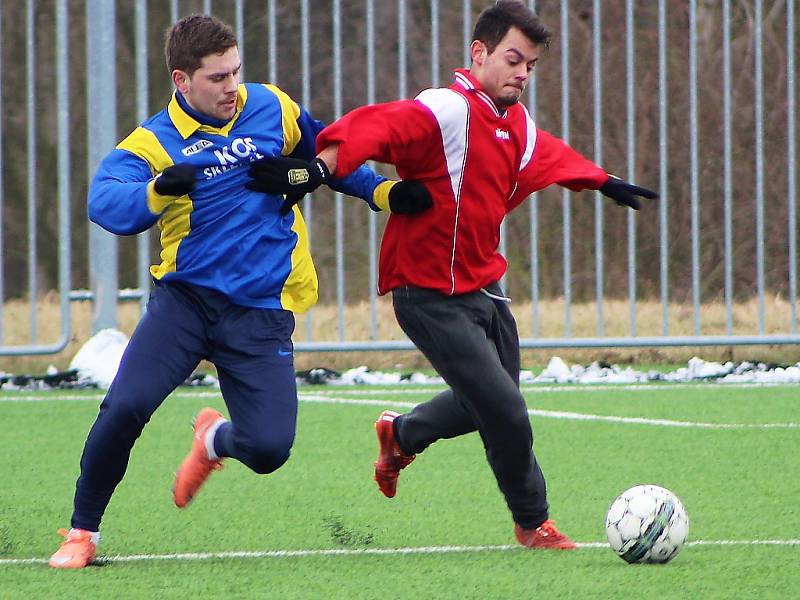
181	80
478	52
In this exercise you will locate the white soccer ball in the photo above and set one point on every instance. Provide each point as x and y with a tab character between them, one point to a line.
647	524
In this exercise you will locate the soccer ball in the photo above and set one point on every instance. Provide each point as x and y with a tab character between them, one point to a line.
647	523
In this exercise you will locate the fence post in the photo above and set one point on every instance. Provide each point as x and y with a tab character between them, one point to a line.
101	105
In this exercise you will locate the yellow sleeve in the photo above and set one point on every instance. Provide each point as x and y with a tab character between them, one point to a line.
144	144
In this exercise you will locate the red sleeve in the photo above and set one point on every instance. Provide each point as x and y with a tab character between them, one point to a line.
385	133
554	161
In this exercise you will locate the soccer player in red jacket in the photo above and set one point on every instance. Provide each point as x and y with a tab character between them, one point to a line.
479	153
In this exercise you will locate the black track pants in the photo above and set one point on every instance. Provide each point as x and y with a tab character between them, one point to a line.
472	342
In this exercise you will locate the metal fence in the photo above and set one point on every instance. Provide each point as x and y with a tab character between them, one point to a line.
674	95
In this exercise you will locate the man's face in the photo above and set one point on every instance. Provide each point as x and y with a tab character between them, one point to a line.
505	72
212	89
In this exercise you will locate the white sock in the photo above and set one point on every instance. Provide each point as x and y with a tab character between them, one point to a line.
95	536
210	435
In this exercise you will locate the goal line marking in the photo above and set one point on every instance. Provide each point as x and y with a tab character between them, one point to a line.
198	556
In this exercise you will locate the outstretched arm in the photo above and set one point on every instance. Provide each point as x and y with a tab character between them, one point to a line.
555	162
367	133
362	183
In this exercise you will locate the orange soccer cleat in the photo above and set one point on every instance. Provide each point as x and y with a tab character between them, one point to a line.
197	466
76	551
545	536
390	458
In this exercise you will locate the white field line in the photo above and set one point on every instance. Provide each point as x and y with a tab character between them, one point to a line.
47	397
412	389
195	556
547	414
555	414
546	388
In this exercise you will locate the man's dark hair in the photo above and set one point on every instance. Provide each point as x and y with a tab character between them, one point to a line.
194	37
494	22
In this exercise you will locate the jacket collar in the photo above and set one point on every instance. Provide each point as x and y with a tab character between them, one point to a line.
187	124
467	82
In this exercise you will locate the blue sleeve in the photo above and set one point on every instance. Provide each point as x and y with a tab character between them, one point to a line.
361	183
117	198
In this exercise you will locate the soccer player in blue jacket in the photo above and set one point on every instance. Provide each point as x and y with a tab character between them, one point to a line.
235	267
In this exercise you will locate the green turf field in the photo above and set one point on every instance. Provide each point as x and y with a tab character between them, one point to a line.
319	528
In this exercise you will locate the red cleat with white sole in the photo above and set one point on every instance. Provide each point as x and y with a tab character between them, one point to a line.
391	459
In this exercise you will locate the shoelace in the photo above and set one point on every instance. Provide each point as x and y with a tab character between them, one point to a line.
548	529
73	537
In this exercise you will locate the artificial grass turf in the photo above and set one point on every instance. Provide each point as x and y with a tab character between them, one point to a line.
737	485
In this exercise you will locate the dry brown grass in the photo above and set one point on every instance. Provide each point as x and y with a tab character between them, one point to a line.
324	323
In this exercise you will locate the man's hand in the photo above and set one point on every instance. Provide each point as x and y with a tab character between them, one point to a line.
177	180
284	175
624	193
409	198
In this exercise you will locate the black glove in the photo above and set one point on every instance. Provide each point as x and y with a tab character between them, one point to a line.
409	198
176	180
624	193
284	175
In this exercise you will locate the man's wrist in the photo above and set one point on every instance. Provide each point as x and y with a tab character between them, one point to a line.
330	156
322	172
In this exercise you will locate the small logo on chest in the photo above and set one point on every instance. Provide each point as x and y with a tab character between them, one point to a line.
501	134
196	147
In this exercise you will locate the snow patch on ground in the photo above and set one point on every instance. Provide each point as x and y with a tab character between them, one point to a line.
97	361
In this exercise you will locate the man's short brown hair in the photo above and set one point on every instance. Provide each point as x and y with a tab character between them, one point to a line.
494	22
193	38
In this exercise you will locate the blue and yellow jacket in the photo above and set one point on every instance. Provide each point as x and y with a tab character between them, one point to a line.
222	236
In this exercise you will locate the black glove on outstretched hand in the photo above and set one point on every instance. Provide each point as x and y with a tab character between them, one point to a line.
176	180
409	198
284	175
624	193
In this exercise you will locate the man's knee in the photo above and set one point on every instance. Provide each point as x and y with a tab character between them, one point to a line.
265	456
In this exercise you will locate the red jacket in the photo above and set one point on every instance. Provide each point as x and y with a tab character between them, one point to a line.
477	164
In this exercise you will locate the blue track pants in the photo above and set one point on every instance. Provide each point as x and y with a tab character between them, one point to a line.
252	351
